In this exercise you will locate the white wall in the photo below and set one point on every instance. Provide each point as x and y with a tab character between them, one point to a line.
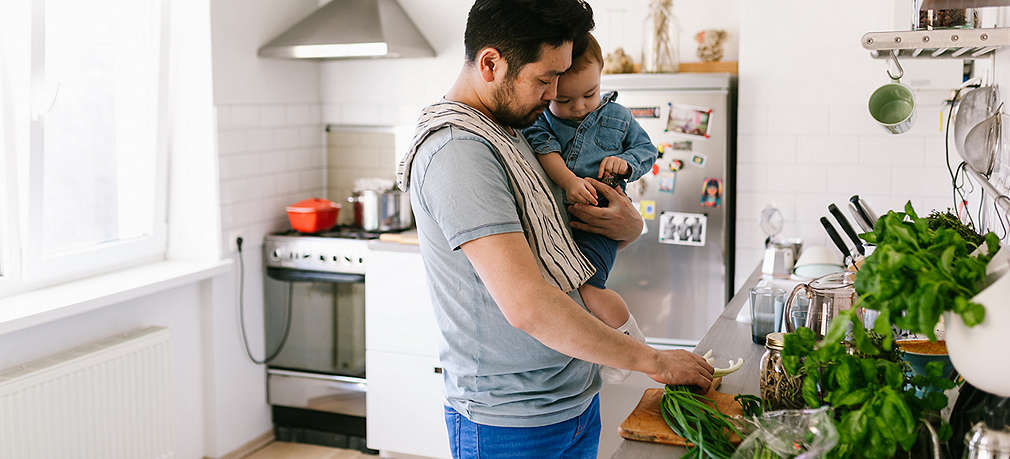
270	155
392	92
805	137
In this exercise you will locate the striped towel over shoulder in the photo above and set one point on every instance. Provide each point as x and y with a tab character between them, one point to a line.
560	260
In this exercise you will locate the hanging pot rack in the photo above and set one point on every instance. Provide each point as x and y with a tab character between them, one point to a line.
945	44
937	43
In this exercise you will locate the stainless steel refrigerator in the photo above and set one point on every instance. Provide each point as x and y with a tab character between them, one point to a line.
677	277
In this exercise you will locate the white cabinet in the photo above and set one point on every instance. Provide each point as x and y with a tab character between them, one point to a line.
398	312
404	406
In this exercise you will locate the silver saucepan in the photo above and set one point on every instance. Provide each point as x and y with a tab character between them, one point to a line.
387	210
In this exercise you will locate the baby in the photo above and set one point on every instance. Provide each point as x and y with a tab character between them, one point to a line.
585	135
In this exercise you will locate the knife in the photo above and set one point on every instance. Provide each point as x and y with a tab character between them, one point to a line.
847	228
854	212
864	210
835	237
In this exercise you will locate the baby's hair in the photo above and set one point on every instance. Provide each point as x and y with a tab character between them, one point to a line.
591	54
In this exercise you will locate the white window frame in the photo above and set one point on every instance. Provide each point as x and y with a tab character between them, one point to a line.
28	267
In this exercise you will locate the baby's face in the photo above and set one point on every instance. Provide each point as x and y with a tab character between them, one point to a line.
578	93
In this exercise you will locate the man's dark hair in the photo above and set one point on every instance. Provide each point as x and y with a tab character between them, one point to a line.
518	28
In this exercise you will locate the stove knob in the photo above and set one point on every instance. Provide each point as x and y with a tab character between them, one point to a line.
322	258
276	255
361	261
306	255
336	258
347	260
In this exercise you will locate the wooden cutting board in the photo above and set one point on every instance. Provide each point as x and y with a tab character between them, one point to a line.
646	424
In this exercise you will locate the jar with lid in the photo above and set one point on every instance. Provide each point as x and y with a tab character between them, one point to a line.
661	39
779	389
947	14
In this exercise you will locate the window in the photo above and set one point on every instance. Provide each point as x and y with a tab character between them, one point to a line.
87	149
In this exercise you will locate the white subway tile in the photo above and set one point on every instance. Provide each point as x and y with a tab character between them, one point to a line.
827	149
311	180
288	182
239	166
227	216
752	119
852	119
752	177
225	117
310	136
792	178
231	142
286	138
297	114
767	149
749	235
797	119
901	151
921	181
272	115
333	114
859	180
261	139
245	116
750	205
262	186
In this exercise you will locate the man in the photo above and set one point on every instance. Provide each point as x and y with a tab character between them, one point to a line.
520	356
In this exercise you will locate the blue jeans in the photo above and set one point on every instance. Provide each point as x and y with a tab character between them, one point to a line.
576	438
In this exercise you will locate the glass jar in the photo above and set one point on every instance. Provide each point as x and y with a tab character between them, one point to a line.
780	390
661	39
926	17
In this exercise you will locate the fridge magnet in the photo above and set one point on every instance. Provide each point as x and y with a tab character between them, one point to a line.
683	145
698	159
667	181
676	165
711	192
662	149
680	228
648	210
644	112
655	169
689	119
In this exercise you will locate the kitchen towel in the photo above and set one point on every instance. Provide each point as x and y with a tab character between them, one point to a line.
560	260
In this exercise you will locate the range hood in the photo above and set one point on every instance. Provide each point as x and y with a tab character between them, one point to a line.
351	29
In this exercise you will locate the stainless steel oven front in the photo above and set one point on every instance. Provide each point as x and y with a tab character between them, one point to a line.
315	323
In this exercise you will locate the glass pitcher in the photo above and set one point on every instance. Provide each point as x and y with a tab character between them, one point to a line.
828	296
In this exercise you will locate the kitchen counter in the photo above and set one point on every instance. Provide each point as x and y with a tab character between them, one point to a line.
728	339
405	241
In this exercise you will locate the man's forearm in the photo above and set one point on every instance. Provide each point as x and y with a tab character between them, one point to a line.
561	324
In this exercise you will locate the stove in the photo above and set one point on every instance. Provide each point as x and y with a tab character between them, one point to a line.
340	250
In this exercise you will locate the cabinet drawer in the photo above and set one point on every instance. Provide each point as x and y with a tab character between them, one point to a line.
405	405
398	314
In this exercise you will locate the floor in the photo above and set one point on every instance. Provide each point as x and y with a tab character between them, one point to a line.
285	450
616	402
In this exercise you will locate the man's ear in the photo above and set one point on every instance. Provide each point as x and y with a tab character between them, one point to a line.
491	64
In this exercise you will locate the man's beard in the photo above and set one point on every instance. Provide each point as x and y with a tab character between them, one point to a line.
506	114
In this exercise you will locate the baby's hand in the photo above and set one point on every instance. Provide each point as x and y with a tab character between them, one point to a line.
613	166
580	191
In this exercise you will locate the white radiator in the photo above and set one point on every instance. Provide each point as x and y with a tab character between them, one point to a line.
109	400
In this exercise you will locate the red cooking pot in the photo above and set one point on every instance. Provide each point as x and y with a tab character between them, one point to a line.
313	215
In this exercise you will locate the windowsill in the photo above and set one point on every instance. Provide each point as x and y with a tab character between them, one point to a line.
53	303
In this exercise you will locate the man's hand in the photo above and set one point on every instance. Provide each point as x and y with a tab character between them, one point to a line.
613	166
619	221
682	368
580	191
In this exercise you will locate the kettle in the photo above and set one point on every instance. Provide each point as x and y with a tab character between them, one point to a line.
828	295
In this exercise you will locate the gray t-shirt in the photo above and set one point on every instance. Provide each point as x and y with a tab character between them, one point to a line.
495	374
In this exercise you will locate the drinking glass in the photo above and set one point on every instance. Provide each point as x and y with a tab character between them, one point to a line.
766	306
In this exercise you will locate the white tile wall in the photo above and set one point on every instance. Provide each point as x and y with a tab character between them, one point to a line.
271	155
805	137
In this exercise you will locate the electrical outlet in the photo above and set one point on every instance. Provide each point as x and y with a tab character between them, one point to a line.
230	241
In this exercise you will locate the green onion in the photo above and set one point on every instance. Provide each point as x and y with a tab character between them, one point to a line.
702	425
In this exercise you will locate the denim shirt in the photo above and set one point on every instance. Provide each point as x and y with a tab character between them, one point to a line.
610	130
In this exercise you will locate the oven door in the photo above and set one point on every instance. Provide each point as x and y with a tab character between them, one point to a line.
326	330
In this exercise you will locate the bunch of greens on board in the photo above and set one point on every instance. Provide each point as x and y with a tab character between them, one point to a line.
876	402
702	424
917	273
